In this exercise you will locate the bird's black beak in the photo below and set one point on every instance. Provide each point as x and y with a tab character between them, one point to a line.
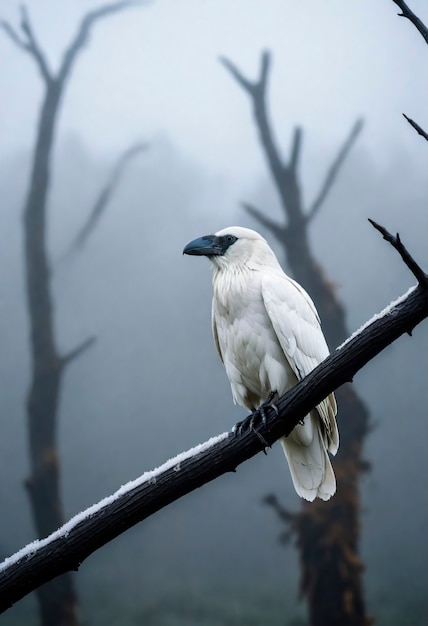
209	245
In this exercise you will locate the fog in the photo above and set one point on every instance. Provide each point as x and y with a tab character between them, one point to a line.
153	385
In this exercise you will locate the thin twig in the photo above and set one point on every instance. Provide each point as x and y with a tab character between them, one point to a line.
237	75
396	243
416	126
77	351
105	196
84	29
33	46
254	88
296	146
413	18
13	35
334	169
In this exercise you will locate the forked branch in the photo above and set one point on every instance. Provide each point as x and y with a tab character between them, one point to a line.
286	175
257	91
28	42
256	88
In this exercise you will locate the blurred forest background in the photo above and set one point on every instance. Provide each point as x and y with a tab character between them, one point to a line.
152	384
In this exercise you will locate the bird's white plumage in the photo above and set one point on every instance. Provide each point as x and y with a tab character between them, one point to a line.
268	335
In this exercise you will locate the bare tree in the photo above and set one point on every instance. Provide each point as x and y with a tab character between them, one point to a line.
327	533
57	600
66	548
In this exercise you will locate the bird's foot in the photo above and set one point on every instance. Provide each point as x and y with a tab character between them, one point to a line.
259	415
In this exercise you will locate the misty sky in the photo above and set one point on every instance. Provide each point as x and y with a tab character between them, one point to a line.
153	73
333	61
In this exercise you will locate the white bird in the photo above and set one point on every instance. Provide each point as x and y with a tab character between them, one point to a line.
268	335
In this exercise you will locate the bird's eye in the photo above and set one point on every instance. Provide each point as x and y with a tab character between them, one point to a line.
230	238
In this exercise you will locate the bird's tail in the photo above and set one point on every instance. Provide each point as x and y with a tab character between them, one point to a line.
308	460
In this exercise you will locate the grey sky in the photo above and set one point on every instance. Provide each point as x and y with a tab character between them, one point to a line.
154	70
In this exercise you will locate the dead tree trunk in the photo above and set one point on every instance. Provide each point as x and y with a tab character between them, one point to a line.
57	599
327	532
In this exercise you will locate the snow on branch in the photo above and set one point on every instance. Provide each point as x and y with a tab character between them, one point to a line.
67	547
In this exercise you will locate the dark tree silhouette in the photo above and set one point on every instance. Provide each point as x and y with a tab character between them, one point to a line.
327	532
57	600
65	549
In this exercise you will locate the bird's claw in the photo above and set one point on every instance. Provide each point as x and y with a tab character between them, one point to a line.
250	422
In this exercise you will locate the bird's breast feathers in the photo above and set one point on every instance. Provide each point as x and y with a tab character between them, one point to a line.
246	339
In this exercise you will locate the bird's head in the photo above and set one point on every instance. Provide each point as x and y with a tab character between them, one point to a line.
234	247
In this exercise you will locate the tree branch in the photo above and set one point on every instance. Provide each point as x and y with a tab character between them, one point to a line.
29	44
268	223
416	126
396	243
296	145
13	35
77	351
66	548
413	18
284	176
257	91
105	195
254	88
334	169
82	35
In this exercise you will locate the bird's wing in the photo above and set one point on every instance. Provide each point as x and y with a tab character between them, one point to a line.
297	326
215	333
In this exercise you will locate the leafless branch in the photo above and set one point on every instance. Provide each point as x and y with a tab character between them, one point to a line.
257	92
396	243
77	351
268	223
13	35
334	169
82	35
413	18
252	87
29	44
296	145
105	195
417	128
